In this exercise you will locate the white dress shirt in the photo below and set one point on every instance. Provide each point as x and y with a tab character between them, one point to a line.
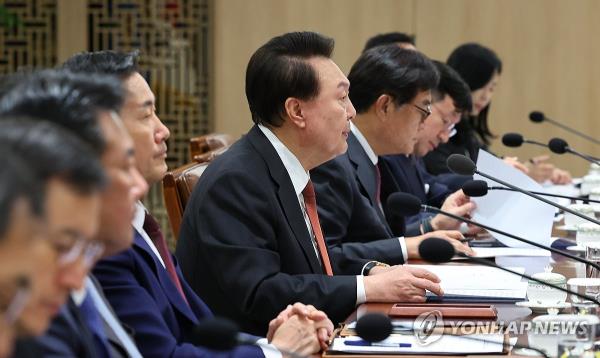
375	159
299	178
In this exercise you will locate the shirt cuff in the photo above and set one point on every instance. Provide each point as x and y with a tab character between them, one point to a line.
403	247
361	295
269	350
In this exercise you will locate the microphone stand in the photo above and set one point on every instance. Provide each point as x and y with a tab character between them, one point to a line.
547	194
533	243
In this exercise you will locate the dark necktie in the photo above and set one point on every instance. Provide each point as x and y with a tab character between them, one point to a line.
153	230
378	180
94	323
310	202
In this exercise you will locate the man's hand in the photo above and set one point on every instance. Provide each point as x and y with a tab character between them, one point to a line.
560	177
297	334
456	203
323	326
453	237
401	284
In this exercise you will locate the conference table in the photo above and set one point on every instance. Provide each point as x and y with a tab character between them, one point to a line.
507	312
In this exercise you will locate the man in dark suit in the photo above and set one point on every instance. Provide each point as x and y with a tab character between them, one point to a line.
144	283
251	225
87	106
451	97
391	91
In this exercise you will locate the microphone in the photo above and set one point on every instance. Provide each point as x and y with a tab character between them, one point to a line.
560	146
462	165
538	117
222	335
437	251
375	327
516	140
405	204
477	188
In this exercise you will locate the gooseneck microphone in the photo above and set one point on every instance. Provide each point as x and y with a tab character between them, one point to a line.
374	327
222	334
477	188
560	146
538	117
405	204
460	164
437	251
516	140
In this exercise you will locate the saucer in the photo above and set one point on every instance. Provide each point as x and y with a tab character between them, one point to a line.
576	248
567	228
543	308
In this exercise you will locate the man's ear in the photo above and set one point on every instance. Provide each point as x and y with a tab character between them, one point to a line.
383	105
293	110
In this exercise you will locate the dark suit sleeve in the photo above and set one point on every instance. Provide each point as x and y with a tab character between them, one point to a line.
231	229
135	307
337	193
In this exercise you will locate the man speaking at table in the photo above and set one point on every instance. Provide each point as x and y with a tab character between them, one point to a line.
250	240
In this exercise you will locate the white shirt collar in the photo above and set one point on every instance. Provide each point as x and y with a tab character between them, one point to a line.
364	144
295	170
79	295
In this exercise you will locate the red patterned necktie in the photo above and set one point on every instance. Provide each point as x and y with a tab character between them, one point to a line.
310	202
153	230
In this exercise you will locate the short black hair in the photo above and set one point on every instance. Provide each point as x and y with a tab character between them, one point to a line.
68	99
452	84
120	64
388	39
278	70
51	151
390	70
17	181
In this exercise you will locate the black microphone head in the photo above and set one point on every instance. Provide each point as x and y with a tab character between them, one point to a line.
512	140
475	188
558	145
215	333
436	250
403	204
374	327
459	164
537	116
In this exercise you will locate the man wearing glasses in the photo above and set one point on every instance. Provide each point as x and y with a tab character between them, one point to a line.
87	106
391	91
451	97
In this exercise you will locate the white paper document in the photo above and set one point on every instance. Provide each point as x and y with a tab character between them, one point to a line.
408	344
509	251
509	211
479	281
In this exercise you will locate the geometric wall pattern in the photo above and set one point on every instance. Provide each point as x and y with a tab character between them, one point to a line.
27	34
172	37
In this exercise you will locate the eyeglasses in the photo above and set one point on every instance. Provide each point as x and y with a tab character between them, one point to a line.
88	251
425	112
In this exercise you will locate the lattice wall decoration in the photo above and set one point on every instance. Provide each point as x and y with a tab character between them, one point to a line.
27	34
172	36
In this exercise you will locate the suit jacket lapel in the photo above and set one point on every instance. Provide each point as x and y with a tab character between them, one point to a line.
287	196
165	281
365	172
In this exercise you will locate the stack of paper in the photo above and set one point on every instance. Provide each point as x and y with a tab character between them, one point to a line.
447	344
476	281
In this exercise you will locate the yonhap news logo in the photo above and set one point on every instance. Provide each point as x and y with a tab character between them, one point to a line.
429	327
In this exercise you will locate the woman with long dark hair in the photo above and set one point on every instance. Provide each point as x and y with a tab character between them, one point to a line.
481	68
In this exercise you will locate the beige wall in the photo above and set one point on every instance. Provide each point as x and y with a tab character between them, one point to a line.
549	50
